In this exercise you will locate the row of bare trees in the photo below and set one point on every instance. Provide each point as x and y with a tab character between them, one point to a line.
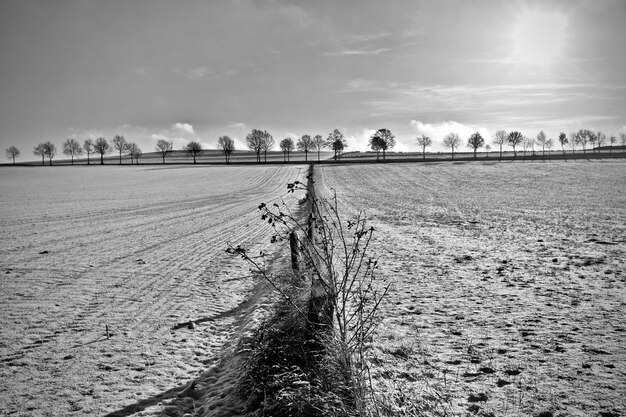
73	149
261	141
515	139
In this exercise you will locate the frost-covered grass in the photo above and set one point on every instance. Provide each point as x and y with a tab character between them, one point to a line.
509	285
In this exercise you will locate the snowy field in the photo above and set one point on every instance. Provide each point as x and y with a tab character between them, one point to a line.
130	250
508	296
509	284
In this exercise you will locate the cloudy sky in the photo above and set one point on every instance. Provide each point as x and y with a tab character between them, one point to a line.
183	70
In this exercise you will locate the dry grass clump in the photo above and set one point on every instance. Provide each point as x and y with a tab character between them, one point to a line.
291	371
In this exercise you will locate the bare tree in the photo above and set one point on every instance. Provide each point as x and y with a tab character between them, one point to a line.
386	140
50	151
515	138
72	148
266	144
88	147
475	142
40	150
542	139
424	141
500	138
305	144
622	138
452	141
582	137
549	145
164	147
227	145
119	143
135	152
376	144
318	144
286	145
336	143
612	140
102	147
563	141
194	149
600	139
12	152
592	138
254	140
573	141
528	143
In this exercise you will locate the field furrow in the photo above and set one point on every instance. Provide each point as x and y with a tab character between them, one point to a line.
143	251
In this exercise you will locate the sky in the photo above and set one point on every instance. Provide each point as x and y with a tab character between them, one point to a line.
197	70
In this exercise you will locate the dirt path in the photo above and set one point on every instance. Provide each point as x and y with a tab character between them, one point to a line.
509	285
130	250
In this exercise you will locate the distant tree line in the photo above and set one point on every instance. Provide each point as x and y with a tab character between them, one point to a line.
515	139
261	141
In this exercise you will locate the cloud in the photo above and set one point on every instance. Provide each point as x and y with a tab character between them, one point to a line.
360	84
237	125
159	136
184	128
177	141
359	141
437	131
367	37
196	73
352	52
240	144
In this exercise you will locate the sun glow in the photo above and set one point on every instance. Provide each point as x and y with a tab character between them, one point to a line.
540	37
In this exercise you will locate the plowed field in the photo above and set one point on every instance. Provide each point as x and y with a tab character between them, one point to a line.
131	251
509	285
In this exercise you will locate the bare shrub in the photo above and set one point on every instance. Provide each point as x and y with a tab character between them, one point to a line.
337	321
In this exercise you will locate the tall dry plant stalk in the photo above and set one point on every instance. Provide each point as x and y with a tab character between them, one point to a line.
332	255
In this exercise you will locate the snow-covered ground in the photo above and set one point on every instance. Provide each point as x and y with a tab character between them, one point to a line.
128	250
509	284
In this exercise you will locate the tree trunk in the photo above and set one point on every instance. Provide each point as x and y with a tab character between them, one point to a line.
120	157
101	159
